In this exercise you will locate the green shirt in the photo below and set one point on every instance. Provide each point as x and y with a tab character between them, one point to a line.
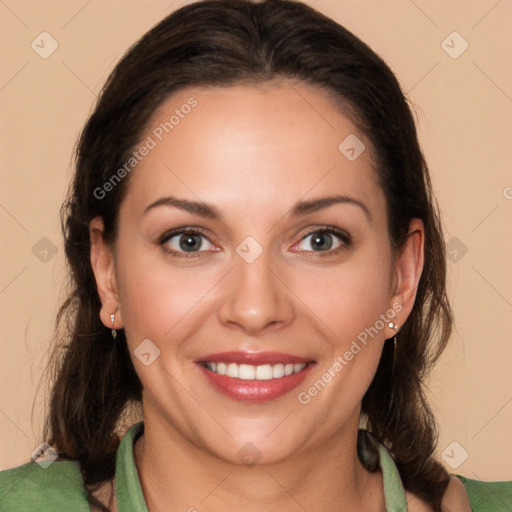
59	487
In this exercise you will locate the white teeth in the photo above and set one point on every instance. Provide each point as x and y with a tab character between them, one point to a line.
264	372
246	371
251	372
232	370
278	371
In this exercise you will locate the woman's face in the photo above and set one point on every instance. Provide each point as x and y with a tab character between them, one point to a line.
289	262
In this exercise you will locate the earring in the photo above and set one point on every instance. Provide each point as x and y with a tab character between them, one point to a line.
394	326
394	352
114	332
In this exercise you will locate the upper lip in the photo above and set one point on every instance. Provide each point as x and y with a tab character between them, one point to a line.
253	358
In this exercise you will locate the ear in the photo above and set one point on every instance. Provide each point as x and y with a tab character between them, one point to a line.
408	268
102	262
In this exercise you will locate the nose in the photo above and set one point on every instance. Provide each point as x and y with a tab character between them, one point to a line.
256	298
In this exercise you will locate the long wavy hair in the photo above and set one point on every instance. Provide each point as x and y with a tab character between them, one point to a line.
222	43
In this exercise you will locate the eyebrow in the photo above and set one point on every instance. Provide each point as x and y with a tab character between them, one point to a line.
195	207
307	207
301	208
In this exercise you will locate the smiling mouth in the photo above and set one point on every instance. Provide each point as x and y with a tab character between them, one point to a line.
253	372
255	378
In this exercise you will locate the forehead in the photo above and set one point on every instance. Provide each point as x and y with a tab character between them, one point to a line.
268	144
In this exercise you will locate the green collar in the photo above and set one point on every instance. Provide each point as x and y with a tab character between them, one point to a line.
130	497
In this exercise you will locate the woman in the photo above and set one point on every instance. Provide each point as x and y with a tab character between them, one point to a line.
258	260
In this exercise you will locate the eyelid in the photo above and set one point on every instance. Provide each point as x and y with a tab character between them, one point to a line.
344	237
183	230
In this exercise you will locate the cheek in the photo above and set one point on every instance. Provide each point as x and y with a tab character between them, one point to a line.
355	298
350	297
156	297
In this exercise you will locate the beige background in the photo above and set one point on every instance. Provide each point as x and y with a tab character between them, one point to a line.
463	106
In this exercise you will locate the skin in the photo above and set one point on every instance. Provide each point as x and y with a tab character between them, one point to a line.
252	153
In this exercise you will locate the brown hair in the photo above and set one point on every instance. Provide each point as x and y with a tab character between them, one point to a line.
220	42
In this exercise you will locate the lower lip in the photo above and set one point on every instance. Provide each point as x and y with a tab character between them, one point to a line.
255	391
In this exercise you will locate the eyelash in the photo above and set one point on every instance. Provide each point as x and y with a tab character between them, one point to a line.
345	238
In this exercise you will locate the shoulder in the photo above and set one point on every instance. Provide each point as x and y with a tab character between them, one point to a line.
455	496
485	496
467	495
57	487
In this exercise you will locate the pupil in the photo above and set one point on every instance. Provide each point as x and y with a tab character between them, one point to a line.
321	242
190	241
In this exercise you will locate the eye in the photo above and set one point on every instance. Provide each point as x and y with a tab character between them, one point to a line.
186	242
327	240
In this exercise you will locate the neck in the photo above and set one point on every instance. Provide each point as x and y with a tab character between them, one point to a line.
176	474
